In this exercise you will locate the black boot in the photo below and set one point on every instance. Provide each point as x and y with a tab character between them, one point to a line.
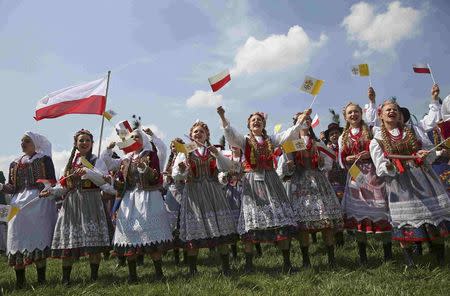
362	247
287	266
331	259
418	249
132	274
387	248
121	262
234	251
225	264
41	275
106	255
94	271
258	250
439	250
20	278
185	257
314	238
192	265
140	260
408	254
176	256
248	268
305	255
159	275
66	270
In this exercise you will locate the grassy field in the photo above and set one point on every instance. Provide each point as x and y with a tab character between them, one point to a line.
346	279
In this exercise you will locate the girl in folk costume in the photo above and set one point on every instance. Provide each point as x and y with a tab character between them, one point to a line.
418	203
81	228
173	198
364	202
30	232
266	214
313	198
206	218
142	225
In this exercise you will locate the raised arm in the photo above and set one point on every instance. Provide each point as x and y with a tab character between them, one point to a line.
292	132
233	137
112	164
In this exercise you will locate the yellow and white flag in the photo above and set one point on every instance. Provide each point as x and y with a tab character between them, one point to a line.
356	173
109	114
361	70
185	148
311	85
86	163
7	212
294	145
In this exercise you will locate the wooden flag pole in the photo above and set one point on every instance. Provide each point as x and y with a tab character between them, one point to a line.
431	72
103	117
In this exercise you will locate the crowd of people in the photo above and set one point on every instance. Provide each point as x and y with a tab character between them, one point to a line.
384	176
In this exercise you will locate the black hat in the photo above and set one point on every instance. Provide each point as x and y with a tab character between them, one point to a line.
332	126
405	113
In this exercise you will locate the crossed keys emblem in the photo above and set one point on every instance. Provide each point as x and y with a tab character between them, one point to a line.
308	84
355	71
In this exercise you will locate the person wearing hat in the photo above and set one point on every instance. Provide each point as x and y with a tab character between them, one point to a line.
30	232
336	175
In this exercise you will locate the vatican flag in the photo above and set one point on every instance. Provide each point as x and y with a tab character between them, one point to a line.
311	85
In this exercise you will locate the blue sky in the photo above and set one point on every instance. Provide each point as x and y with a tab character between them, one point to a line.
162	52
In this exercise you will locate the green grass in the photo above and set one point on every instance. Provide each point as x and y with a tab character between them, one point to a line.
347	279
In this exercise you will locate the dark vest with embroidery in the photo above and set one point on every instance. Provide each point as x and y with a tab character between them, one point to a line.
202	167
24	175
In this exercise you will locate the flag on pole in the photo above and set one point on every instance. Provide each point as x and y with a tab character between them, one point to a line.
184	148
311	85
123	128
8	212
109	114
356	173
129	145
86	163
219	80
87	98
361	70
315	121
421	68
293	145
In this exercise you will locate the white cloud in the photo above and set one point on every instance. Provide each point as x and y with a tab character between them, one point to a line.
276	52
204	99
381	32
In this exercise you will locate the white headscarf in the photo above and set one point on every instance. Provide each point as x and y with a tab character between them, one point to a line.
41	144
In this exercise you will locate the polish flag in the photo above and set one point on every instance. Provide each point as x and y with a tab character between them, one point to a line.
129	145
421	68
315	122
123	128
219	80
87	98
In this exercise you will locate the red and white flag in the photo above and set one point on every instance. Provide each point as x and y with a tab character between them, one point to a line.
315	122
219	80
87	98
129	145
123	128
421	68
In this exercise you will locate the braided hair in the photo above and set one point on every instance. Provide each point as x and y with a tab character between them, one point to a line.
366	133
74	149
266	138
172	155
205	127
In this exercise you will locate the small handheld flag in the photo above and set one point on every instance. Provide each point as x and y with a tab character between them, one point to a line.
109	114
356	173
184	148
129	145
293	146
219	80
423	69
311	85
315	121
361	70
7	212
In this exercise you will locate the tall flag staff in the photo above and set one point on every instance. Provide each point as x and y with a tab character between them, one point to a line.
103	115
